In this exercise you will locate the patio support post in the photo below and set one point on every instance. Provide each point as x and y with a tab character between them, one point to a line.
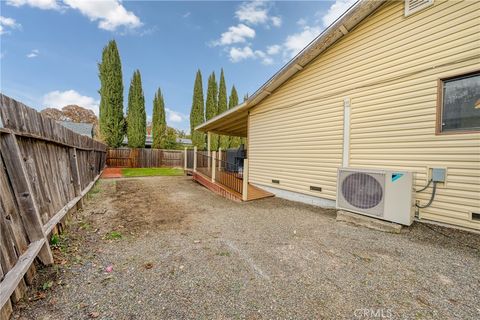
195	159
209	137
185	159
214	157
245	180
220	154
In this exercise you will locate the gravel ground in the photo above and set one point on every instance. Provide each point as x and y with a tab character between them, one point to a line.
185	253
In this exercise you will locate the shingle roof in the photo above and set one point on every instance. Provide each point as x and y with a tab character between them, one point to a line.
85	129
184	141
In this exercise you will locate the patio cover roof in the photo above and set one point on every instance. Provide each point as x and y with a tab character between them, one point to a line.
234	121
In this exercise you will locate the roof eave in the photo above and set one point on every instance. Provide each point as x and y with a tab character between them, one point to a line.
341	27
348	21
207	123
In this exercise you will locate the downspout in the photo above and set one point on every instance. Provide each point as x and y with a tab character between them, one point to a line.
346	132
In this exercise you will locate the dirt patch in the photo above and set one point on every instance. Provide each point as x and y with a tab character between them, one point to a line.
186	253
136	206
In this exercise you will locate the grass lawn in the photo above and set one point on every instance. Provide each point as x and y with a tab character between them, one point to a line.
149	172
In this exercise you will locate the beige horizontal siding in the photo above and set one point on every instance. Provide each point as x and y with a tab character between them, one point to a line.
388	66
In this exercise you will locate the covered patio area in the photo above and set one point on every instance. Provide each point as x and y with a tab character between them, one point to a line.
211	168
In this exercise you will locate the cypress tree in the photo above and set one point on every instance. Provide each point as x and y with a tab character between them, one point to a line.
111	96
224	141
171	139
159	123
232	102
233	99
136	116
211	108
197	115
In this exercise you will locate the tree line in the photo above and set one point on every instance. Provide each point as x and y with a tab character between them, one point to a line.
113	123
216	103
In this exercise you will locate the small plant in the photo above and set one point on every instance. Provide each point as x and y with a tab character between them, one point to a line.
223	254
84	225
95	189
113	235
59	241
47	285
55	240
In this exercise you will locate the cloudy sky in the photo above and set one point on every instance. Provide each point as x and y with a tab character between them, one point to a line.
49	49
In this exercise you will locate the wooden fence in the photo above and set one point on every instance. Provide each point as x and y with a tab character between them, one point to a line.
45	170
144	158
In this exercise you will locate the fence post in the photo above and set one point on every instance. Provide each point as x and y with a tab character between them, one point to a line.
214	157
75	175
195	159
22	189
185	159
245	180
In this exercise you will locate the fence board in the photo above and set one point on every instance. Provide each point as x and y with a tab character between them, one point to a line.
144	158
45	170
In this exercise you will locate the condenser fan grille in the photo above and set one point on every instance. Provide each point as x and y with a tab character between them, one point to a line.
362	190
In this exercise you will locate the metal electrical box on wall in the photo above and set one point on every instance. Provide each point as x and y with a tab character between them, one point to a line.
439	174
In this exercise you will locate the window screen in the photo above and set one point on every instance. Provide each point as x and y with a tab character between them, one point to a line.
461	103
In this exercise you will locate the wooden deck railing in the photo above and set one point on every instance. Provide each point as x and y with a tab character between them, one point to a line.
204	163
218	170
228	174
189	154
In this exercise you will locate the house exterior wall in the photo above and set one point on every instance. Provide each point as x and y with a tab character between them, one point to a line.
389	67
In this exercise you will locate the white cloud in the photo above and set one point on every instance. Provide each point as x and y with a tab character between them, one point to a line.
235	34
276	21
249	13
336	10
8	23
111	14
267	60
33	54
41	4
239	54
174	116
59	99
256	12
252	12
302	22
187	14
294	43
297	41
273	50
